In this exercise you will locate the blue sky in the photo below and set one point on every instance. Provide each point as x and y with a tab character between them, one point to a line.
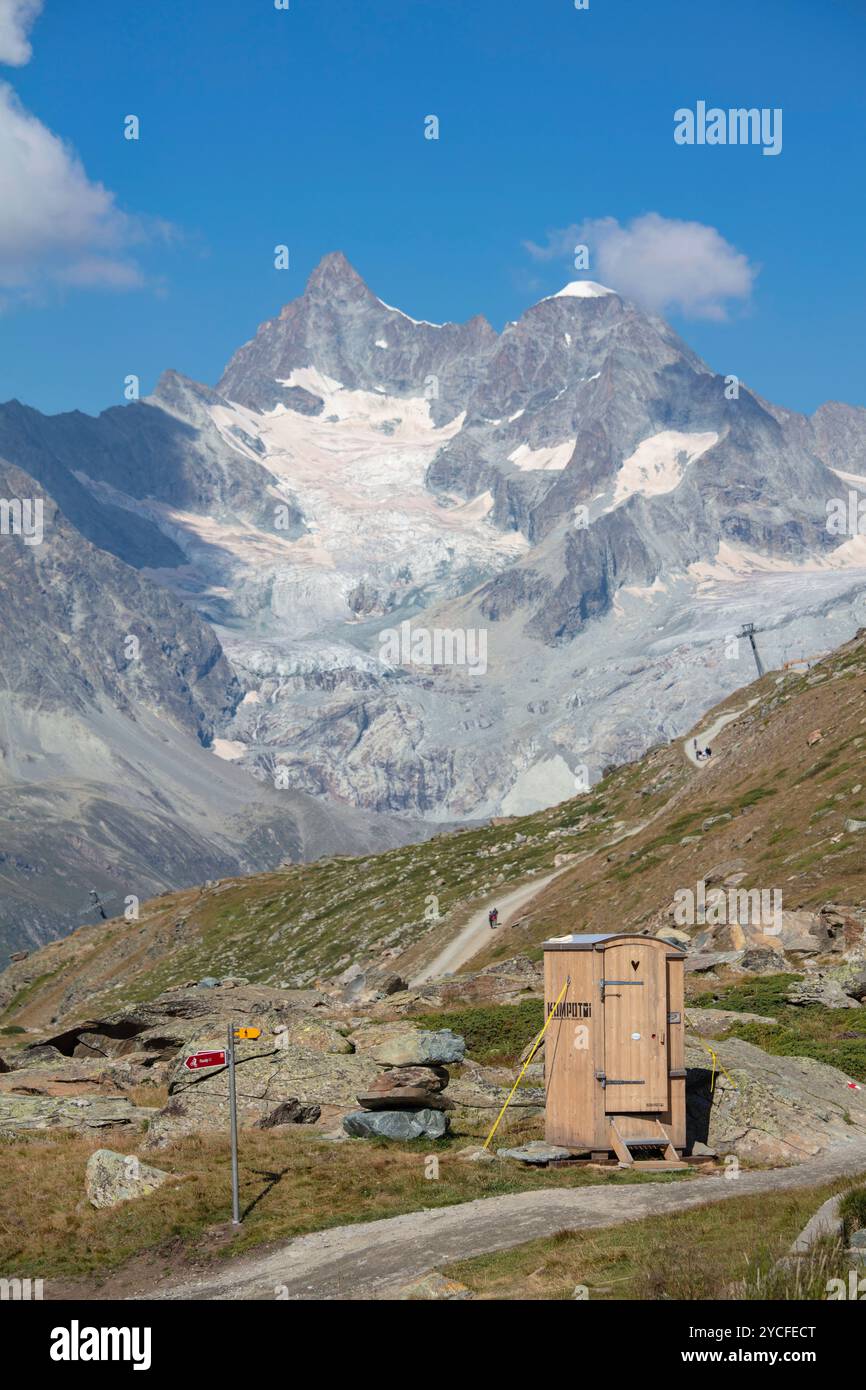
306	127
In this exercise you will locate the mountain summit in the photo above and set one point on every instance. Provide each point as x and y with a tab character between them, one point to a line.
340	328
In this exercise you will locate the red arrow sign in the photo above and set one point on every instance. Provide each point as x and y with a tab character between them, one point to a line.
205	1059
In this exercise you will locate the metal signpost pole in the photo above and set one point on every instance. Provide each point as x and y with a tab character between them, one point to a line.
233	1108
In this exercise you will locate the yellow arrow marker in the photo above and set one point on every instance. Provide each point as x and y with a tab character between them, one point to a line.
248	1032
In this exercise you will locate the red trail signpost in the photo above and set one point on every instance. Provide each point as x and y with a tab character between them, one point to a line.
195	1062
205	1059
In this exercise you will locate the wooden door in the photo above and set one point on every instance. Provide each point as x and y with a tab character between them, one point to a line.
635	1027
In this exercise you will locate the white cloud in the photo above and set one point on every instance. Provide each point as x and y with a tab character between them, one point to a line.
662	263
16	18
56	226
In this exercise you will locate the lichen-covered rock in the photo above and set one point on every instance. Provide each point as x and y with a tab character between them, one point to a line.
821	988
318	1034
290	1112
396	1124
111	1178
770	1109
400	1045
535	1152
83	1113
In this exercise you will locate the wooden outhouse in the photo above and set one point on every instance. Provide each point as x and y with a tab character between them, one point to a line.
613	1052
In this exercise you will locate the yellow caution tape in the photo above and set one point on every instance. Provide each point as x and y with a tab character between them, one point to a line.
535	1048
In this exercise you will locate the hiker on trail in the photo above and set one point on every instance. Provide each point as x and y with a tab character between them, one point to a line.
708	752
493	916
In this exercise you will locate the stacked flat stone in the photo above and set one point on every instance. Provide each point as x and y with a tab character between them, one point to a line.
405	1100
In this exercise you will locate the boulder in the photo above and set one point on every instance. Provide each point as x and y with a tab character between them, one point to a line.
396	1124
735	936
854	984
475	1153
852	825
112	1178
431	1079
290	1112
762	961
821	988
769	1109
398	1045
675	936
435	1287
536	1152
725	872
705	961
393	984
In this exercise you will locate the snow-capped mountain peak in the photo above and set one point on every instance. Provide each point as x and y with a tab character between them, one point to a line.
581	289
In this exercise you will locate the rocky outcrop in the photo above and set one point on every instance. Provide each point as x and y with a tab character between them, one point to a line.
770	1109
18	1114
506	982
821	988
715	1023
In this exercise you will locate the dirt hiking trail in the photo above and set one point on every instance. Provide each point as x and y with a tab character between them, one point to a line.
374	1259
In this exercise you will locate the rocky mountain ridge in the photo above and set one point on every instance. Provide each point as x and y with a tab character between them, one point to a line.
573	516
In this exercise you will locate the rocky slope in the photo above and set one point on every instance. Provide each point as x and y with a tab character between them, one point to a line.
780	806
112	692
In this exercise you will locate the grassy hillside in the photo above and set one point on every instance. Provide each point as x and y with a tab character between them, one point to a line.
767	797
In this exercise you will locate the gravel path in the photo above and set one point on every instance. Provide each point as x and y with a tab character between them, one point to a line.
705	738
373	1259
474	936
